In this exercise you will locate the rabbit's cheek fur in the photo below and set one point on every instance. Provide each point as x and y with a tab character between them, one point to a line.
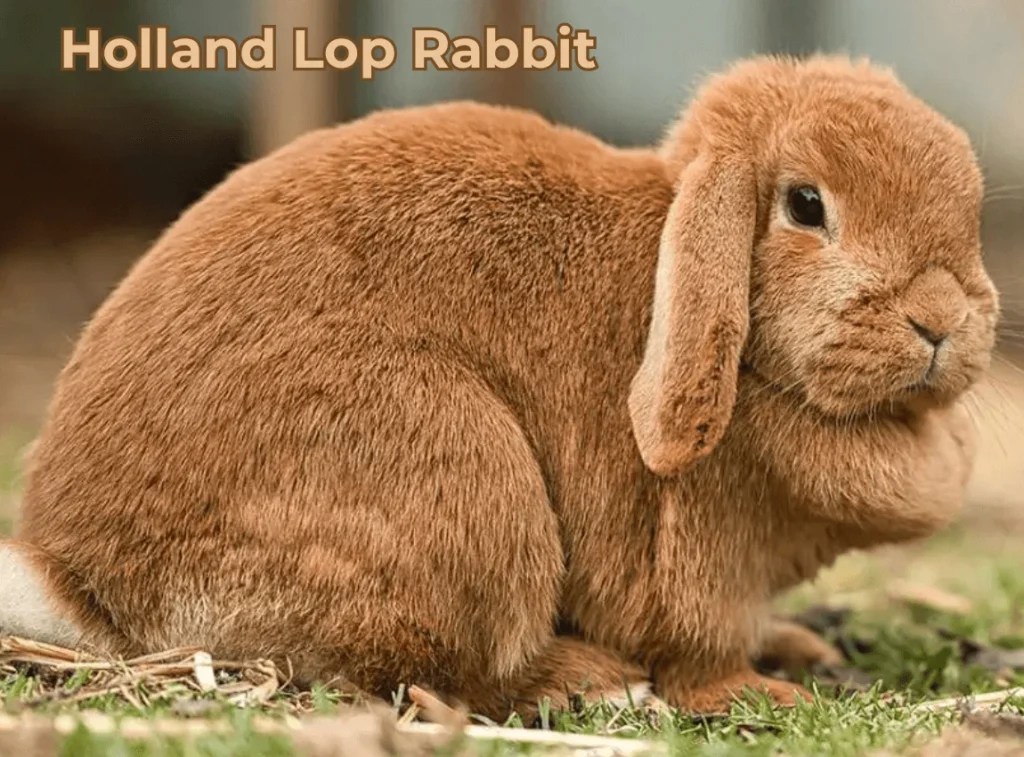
877	356
824	323
798	291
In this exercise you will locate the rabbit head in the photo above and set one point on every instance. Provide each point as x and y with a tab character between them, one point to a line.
825	235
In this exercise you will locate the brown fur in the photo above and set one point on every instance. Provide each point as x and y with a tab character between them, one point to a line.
381	402
791	647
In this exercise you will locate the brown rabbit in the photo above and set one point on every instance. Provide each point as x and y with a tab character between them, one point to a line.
399	400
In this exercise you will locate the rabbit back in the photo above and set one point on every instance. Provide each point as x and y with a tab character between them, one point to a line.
312	417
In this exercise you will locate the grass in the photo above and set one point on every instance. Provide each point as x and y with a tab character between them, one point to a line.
825	727
920	648
952	637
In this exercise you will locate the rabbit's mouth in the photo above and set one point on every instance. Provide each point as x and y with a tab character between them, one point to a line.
928	390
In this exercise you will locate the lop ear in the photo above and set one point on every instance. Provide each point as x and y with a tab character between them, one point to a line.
682	397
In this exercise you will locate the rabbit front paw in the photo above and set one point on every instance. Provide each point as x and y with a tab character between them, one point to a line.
718	697
786	645
570	669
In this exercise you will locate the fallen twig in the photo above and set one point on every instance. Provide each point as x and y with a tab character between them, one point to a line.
259	680
928	596
550	738
204	672
423	733
985	702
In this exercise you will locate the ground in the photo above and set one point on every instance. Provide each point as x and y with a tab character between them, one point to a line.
938	621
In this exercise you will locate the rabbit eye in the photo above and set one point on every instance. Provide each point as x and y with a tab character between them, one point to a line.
806	207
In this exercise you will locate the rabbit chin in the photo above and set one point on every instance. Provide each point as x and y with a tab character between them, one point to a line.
896	394
903	383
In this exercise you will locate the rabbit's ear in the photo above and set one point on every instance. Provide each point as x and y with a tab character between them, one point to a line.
683	395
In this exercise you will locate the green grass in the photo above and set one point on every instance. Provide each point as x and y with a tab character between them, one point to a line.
910	648
825	727
906	647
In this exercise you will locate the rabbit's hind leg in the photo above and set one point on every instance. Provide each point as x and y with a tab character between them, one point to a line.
442	562
569	668
430	556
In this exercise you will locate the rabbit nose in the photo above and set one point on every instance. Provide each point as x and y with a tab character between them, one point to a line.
935	306
933	337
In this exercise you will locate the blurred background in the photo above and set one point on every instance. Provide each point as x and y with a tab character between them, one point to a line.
97	163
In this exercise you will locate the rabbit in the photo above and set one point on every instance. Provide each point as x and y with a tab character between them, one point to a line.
458	397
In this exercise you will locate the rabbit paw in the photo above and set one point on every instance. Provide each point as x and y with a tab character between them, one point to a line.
789	646
718	698
570	670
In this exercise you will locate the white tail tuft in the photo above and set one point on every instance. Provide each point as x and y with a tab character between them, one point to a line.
25	608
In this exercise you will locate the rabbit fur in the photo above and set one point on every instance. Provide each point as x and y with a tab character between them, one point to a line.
456	397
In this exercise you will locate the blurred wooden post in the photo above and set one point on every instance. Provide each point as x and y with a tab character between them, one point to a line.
510	86
286	103
795	27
